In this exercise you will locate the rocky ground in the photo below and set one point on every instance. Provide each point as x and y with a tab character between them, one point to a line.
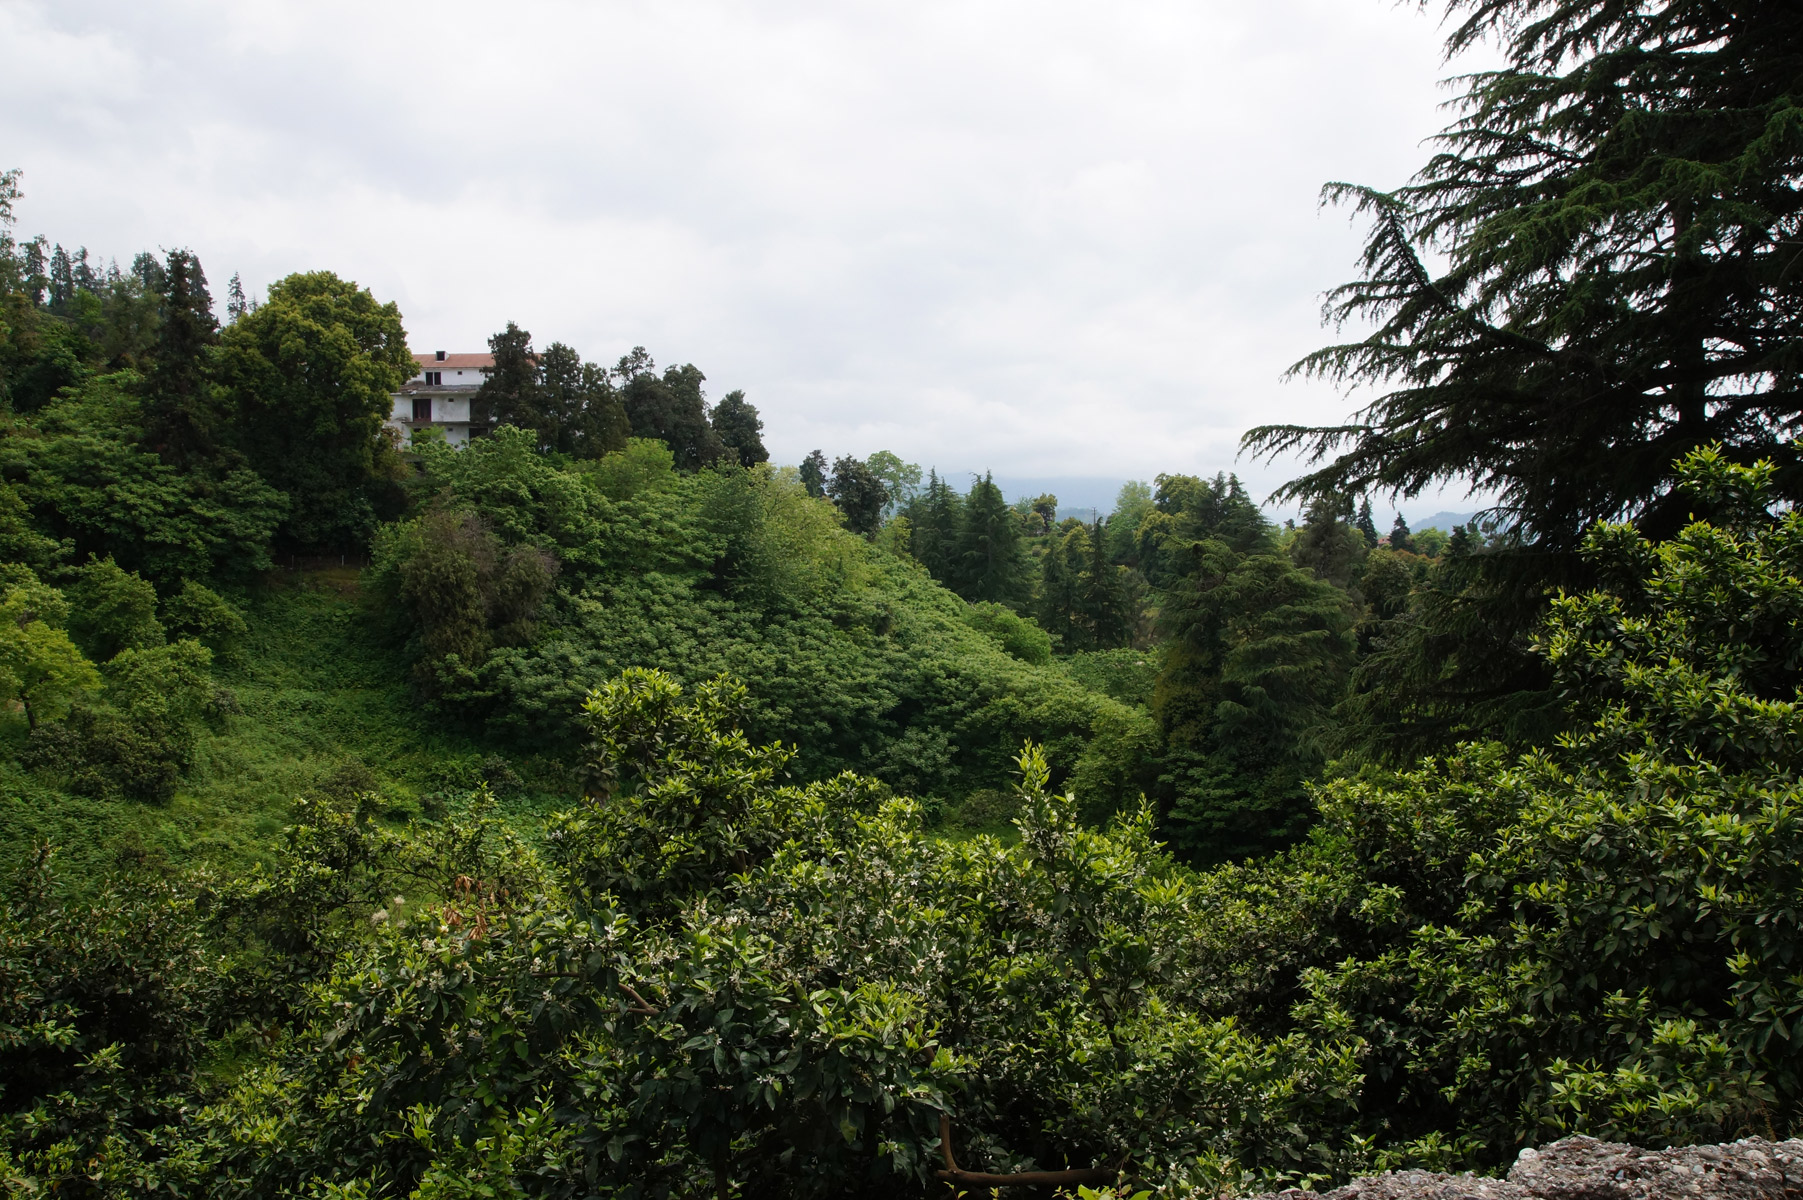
1582	1168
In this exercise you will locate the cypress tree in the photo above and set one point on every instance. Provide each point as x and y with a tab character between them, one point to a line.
62	280
236	303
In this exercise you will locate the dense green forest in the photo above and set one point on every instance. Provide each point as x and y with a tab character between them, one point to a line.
602	809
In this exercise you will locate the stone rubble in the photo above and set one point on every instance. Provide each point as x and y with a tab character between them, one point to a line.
1582	1168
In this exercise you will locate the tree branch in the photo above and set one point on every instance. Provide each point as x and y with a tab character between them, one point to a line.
951	1173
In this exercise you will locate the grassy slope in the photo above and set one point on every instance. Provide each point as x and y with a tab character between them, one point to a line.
326	704
322	698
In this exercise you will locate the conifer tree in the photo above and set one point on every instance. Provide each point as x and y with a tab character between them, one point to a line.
1259	653
1060	576
990	565
858	494
509	394
736	422
1617	208
62	280
813	473
181	412
1326	544
1400	538
236	302
1365	524
935	517
1104	600
1590	278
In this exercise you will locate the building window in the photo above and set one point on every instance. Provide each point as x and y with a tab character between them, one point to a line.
422	408
434	378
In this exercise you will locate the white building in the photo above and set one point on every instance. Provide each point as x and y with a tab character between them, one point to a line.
439	395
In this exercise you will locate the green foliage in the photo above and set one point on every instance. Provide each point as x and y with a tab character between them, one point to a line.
569	404
310	375
1017	635
87	480
1583	283
859	494
1127	675
901	480
860	660
736	423
113	610
107	1004
777	1024
1259	654
464	591
644	465
200	613
41	670
669	408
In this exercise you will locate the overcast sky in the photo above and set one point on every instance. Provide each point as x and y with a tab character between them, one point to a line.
1048	239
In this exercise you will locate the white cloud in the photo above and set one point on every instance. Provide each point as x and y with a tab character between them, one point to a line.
1048	238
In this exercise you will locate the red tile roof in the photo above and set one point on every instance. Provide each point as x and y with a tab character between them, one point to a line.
454	362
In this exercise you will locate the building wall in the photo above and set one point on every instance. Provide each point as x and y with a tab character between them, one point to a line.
460	377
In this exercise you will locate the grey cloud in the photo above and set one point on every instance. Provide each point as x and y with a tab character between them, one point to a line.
1048	238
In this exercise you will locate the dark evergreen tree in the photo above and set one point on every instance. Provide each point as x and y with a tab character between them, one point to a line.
736	423
1400	539
1327	543
62	280
509	391
570	404
236	302
990	564
935	516
1060	578
36	281
1258	655
813	473
182	413
1589	279
1103	601
86	279
859	495
1365	524
579	413
148	272
670	408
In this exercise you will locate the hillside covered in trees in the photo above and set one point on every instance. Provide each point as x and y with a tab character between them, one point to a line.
601	809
